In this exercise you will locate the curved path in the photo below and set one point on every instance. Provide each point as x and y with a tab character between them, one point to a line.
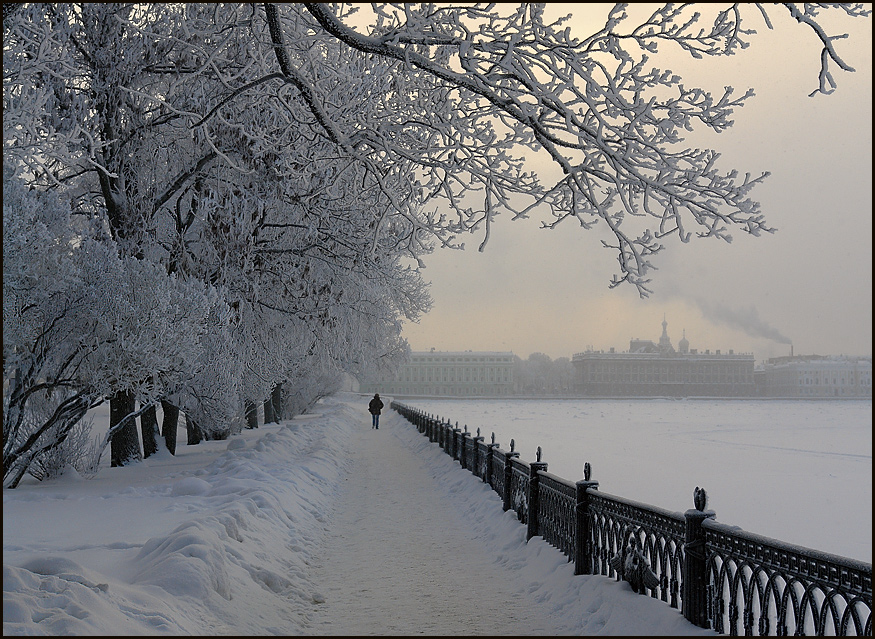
399	560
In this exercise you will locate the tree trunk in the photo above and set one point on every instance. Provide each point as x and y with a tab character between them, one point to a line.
149	430
268	410
193	431
169	425
251	414
277	400
125	446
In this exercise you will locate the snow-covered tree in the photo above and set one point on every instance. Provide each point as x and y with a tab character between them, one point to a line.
81	324
284	230
309	258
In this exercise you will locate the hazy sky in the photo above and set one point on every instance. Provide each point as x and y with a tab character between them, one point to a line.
809	283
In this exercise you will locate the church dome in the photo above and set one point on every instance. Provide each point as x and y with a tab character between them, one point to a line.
683	344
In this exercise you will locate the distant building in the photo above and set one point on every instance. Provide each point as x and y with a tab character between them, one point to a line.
816	376
651	369
448	374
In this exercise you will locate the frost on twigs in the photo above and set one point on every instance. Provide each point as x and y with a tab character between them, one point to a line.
610	122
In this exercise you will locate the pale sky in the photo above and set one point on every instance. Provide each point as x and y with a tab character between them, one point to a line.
809	283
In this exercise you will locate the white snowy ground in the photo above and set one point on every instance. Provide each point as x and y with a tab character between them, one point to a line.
316	526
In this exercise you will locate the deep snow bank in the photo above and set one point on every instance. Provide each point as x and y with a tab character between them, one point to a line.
172	547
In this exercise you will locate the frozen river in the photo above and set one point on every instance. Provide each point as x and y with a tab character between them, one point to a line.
798	471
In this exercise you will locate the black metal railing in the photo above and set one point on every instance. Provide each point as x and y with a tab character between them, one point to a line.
719	576
761	586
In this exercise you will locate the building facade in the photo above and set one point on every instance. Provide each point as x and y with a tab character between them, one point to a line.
448	374
816	376
656	369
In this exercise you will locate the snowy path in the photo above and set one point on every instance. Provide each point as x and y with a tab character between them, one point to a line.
401	559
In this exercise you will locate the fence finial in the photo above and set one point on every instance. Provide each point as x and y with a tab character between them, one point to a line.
587	471
700	498
538	454
511	445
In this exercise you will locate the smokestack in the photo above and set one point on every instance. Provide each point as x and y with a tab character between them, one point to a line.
791	350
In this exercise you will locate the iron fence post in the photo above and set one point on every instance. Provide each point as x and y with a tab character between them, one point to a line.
695	599
534	468
583	530
490	453
477	463
446	434
448	439
508	474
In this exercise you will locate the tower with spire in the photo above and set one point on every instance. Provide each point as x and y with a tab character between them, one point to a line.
664	341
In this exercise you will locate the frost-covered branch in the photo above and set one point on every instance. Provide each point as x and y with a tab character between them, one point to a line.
608	121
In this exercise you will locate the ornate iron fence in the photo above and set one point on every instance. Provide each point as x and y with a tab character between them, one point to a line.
759	585
557	504
719	576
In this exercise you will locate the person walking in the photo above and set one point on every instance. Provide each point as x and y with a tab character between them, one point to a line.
374	408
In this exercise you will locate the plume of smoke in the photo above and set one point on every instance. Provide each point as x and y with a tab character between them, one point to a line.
747	320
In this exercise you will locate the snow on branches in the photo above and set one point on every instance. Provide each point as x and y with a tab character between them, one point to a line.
610	123
80	323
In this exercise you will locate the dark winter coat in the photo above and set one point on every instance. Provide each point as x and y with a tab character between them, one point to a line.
375	406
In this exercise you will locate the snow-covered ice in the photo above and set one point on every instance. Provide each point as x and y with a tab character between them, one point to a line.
279	530
794	470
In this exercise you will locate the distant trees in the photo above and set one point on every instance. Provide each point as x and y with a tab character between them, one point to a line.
541	375
236	198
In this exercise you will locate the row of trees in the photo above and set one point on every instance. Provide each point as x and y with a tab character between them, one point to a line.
538	374
211	206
